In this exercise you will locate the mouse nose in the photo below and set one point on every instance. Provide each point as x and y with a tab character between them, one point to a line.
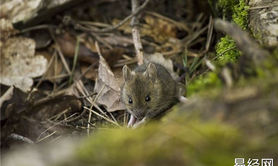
139	114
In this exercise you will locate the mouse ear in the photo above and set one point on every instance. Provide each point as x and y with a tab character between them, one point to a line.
151	71
127	73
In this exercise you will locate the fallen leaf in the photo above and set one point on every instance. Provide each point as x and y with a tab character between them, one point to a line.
67	43
108	87
18	63
54	70
6	29
12	102
89	73
19	10
156	26
160	29
167	63
30	114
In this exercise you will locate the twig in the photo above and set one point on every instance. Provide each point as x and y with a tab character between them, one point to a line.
75	59
89	121
20	138
57	116
226	73
51	77
58	49
84	92
136	33
134	13
90	113
209	36
210	65
47	136
99	39
107	119
262	7
75	118
55	70
195	35
86	71
222	53
43	26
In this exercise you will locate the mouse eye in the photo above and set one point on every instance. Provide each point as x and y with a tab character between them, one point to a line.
130	100
147	98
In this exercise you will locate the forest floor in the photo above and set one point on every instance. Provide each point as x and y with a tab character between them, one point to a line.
61	74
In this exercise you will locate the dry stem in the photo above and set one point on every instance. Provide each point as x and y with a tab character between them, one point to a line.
136	34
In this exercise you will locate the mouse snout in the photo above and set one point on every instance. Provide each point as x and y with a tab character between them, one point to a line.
139	114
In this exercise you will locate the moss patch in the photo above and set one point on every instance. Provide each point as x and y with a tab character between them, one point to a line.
183	139
203	83
226	50
194	142
240	14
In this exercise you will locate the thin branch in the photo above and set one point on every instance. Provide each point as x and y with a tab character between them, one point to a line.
109	29
136	33
20	138
209	35
107	119
263	7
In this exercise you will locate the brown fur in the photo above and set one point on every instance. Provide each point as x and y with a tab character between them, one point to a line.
153	80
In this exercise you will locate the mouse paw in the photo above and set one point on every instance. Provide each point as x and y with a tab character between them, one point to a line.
140	123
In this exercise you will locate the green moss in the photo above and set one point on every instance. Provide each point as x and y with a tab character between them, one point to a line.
235	8
269	67
222	8
208	131
203	82
240	14
275	54
226	6
194	142
183	139
257	35
226	51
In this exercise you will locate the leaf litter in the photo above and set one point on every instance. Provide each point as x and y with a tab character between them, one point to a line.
19	63
51	105
108	86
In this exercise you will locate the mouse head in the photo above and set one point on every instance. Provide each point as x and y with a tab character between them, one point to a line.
141	90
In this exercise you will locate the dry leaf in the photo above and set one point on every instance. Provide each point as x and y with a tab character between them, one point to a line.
160	28
55	69
5	97
18	63
108	88
89	73
6	29
67	43
167	63
20	10
29	114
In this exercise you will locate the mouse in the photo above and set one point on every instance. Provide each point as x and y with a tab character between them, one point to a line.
148	91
